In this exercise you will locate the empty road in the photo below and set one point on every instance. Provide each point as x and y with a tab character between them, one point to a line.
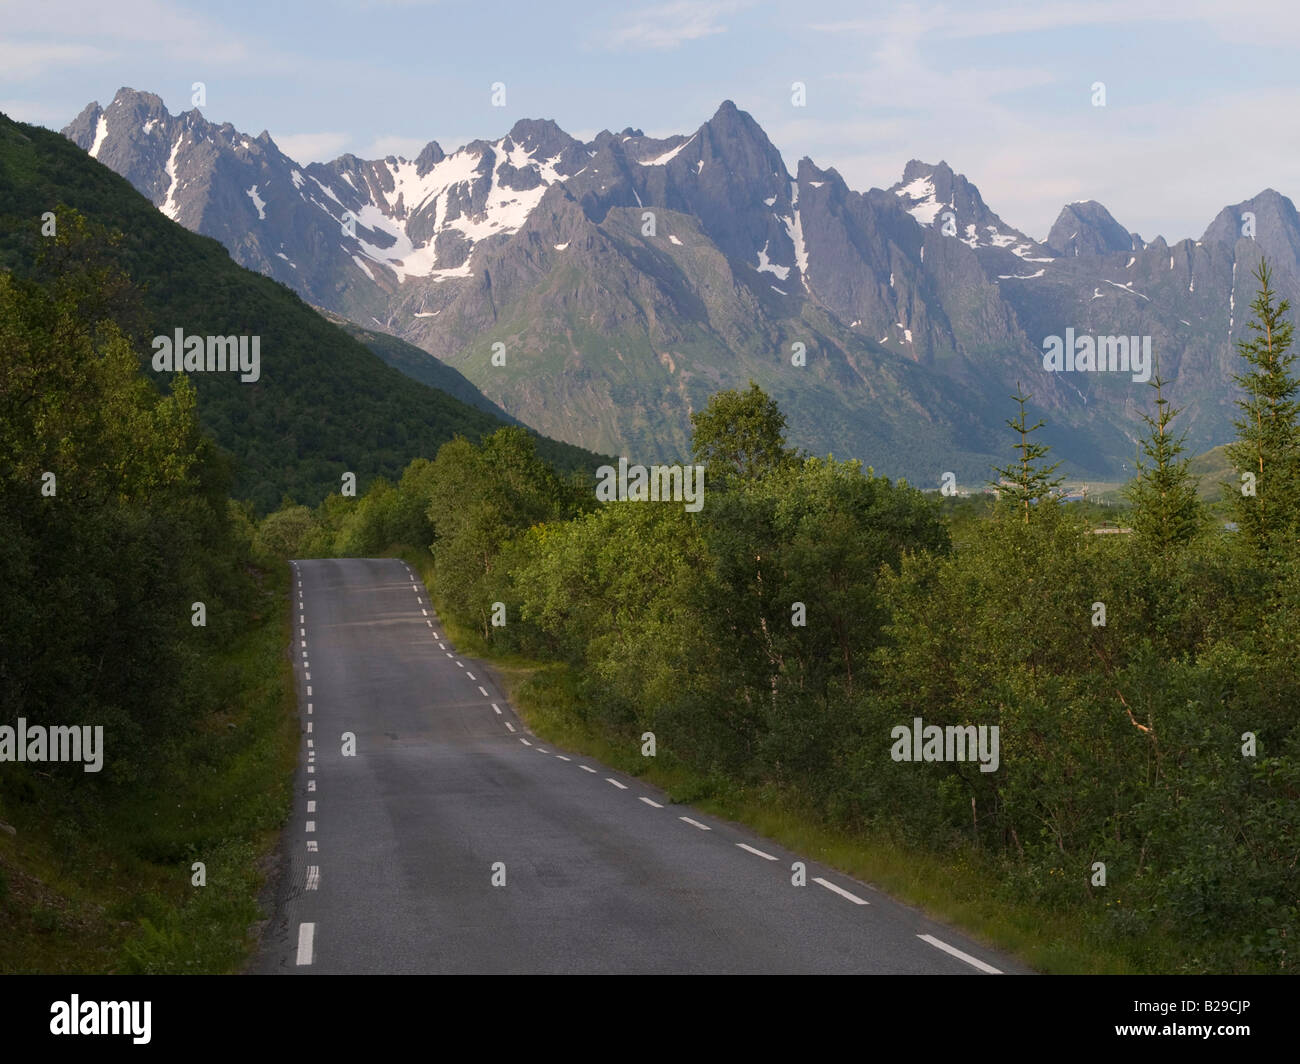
448	838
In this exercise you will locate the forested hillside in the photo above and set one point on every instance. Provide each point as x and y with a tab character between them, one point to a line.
323	405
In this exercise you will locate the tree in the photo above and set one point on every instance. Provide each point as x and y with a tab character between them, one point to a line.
1027	481
1267	449
1166	510
739	434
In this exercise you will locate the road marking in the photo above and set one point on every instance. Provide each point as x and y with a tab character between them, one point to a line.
497	708
309	727
301	619
303	642
510	726
525	741
304	655
470	675
311	807
311	768
760	853
429	623
840	891
481	690
311	785
450	654
620	786
649	801
563	758
309	689
307	676
586	769
312	847
695	823
302	631
306	935
540	750
313	877
974	962
461	664
425	612
310	744
311	827
442	646
308	707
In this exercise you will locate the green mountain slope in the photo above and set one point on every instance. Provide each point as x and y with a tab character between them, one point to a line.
324	404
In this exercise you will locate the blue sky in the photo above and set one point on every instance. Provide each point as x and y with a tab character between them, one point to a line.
1201	97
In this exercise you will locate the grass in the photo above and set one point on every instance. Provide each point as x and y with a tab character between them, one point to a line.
106	886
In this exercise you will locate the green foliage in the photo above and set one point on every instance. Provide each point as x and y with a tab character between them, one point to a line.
1268	438
1167	512
1027	482
739	435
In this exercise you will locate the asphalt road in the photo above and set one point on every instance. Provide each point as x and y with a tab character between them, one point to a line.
388	859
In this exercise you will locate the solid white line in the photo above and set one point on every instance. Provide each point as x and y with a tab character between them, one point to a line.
525	741
840	891
510	726
311	826
760	853
563	758
695	823
306	935
620	786
586	769
496	707
972	961
311	807
650	801
481	690
313	877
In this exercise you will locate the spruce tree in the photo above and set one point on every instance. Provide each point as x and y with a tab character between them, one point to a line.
1166	510
1027	481
1267	502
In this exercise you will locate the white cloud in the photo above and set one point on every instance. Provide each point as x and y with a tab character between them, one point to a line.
312	147
23	59
668	26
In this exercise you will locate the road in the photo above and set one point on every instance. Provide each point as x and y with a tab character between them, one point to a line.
389	859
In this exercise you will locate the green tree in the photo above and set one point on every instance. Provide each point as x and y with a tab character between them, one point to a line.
1166	510
1028	481
1267	449
739	435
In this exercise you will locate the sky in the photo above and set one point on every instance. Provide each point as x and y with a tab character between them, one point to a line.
1200	96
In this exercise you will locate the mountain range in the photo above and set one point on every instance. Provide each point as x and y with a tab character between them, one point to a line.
600	291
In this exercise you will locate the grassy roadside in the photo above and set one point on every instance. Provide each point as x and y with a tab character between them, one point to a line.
966	890
108	888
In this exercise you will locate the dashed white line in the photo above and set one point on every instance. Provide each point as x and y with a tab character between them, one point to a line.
311	826
443	646
311	769
524	741
510	726
974	962
586	768
306	936
302	631
840	891
450	654
306	675
760	853
312	847
461	664
470	675
301	619
310	744
425	612
308	707
309	727
540	750
311	785
695	823
309	690
313	877
311	807
651	801
620	786
497	708
481	690
563	758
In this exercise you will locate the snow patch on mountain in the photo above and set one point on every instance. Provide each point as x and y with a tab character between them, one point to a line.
767	266
258	202
101	135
